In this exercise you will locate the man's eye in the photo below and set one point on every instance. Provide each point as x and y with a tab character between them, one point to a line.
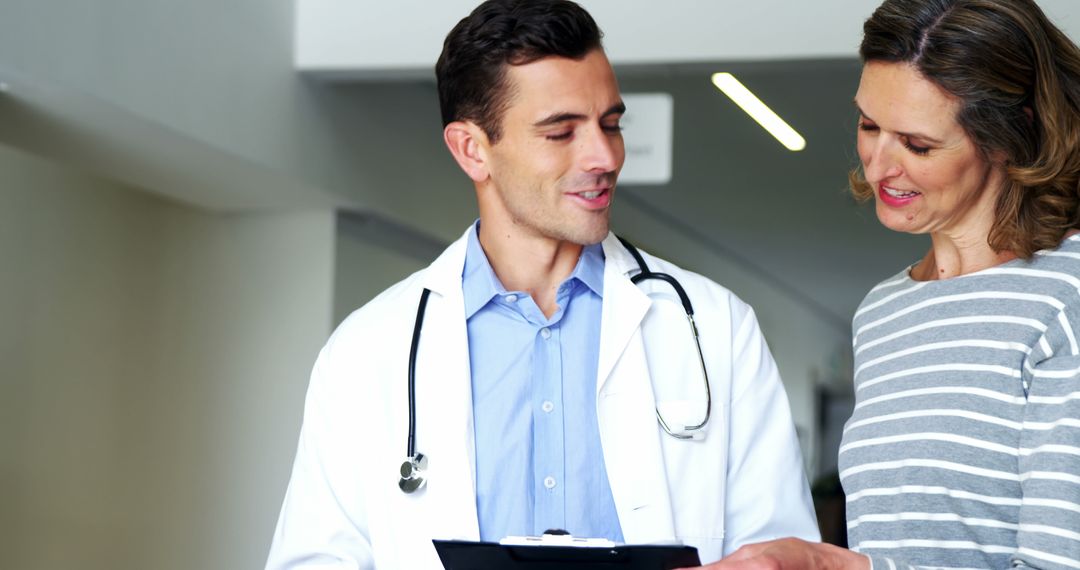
560	136
616	128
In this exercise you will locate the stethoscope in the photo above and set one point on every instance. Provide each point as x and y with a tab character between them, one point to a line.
412	470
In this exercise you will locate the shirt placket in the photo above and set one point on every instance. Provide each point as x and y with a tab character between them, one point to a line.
549	508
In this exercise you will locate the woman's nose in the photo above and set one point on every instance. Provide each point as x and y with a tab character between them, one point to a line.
881	163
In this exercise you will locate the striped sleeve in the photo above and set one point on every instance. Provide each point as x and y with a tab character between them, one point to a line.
1049	459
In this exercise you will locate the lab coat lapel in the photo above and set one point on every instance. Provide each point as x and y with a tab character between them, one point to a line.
626	407
444	394
624	308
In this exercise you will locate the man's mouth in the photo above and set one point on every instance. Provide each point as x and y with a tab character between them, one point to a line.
595	198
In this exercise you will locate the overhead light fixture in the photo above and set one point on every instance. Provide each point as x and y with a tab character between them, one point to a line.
759	111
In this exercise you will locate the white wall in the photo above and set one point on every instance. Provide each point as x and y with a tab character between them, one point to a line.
363	268
206	86
153	361
217	72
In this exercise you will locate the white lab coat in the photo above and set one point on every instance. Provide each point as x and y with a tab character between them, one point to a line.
743	483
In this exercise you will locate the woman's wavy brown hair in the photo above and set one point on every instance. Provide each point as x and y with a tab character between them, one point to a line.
1017	77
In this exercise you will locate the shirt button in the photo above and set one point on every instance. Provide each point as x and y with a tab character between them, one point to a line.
547	406
549	482
545	333
511	299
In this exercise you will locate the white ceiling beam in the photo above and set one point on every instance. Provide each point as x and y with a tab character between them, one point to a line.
390	40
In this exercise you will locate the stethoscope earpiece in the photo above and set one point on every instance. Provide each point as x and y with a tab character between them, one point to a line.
412	473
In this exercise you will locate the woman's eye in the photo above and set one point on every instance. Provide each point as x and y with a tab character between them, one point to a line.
867	127
920	150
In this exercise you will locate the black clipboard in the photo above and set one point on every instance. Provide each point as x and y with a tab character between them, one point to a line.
466	555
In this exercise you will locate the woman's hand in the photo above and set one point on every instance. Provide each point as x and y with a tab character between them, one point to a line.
791	554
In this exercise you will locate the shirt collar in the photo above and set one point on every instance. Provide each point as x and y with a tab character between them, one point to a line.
590	268
479	282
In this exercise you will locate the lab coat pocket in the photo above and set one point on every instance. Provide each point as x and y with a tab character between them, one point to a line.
684	417
700	466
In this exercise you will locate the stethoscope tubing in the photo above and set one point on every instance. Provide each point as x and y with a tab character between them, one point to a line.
645	274
411	444
412	477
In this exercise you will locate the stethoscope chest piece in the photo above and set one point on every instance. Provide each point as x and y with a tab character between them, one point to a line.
412	473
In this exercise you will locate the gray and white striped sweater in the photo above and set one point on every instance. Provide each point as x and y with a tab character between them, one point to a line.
963	450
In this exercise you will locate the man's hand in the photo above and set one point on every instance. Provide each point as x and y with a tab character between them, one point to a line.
791	554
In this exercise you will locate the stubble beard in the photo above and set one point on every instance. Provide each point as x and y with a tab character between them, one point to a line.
598	222
541	218
581	234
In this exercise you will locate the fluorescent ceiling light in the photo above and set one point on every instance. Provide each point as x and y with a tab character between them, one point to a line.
758	111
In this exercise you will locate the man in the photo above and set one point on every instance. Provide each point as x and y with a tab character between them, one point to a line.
541	370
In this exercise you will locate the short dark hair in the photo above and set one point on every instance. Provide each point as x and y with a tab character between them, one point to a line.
1017	79
471	71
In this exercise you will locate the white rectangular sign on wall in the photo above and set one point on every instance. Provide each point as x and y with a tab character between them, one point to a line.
647	134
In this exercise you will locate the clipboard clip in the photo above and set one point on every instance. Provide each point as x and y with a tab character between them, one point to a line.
557	538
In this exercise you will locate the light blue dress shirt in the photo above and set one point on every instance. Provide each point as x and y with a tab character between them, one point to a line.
539	463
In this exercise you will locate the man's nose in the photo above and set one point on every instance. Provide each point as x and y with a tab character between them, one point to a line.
602	150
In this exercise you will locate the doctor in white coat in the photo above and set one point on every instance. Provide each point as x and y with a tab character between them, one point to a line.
544	154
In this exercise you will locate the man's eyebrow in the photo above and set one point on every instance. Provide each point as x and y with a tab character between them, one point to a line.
616	109
919	136
556	118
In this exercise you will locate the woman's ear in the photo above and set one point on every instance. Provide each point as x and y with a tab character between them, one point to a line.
468	143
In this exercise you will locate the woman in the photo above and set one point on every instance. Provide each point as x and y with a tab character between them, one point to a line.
963	450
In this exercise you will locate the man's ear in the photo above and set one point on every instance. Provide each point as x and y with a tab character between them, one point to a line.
468	144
